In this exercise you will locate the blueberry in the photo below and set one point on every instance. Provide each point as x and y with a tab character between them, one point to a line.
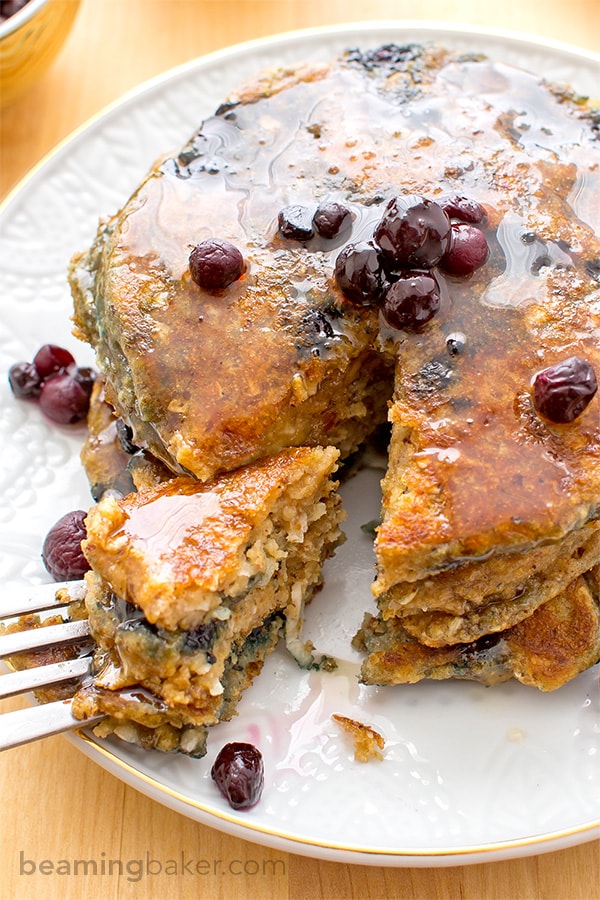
592	268
201	638
413	233
359	273
61	553
295	223
84	376
330	219
51	359
467	252
411	301
563	391
24	380
65	399
125	436
215	264
462	208
62	387
238	772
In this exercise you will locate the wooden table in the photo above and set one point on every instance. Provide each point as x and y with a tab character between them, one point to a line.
56	804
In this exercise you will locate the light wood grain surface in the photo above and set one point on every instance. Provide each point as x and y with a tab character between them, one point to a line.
55	803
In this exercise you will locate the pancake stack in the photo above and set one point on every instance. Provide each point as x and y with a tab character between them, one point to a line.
489	544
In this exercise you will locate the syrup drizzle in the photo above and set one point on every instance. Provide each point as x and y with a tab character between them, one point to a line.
165	523
485	130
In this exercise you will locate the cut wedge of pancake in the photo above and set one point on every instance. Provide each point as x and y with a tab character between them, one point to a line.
193	583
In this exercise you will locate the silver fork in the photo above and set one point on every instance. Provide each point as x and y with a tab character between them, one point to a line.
38	721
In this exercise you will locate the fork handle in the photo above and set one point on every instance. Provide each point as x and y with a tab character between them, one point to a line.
25	725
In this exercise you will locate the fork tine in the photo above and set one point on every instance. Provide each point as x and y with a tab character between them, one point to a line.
30	724
25	680
27	599
48	636
25	725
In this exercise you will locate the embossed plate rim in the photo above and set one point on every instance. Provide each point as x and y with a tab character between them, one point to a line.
146	772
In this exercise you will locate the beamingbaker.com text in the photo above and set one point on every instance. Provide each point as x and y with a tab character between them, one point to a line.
150	866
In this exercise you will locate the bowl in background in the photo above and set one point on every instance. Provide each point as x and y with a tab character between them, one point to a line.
30	39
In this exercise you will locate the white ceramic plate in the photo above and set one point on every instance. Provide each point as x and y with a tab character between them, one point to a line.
469	774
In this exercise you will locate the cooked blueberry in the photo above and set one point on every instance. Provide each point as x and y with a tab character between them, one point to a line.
359	273
201	638
238	772
84	376
61	553
543	261
413	232
215	264
134	624
432	379
411	301
330	219
482	647
455	343
463	208
125	436
295	223
393	56
318	325
118	485
64	399
467	252
51	359
529	237
140	623
592	267
24	380
563	391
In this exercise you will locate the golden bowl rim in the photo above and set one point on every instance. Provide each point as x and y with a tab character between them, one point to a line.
21	17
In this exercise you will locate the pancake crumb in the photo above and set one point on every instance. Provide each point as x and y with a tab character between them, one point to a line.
368	743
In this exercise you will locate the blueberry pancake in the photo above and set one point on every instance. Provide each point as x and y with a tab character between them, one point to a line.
112	462
191	586
209	380
407	233
491	500
555	643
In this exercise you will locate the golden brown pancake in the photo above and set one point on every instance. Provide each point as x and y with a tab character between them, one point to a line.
192	584
211	381
557	642
529	581
489	510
